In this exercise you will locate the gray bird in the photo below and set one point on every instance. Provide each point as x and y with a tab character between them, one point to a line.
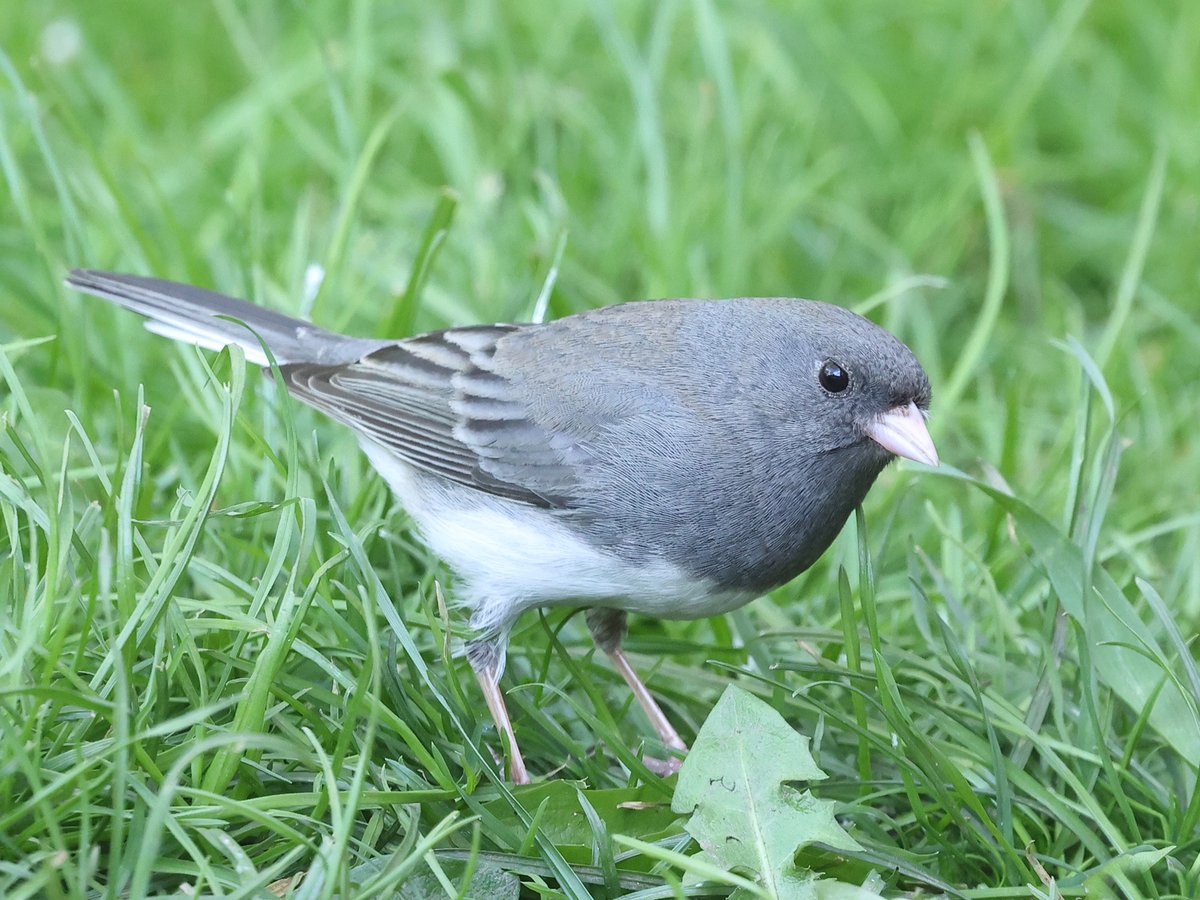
674	458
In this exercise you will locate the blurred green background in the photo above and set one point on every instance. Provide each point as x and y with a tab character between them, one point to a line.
1011	187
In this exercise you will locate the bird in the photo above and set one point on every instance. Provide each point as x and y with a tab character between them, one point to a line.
673	458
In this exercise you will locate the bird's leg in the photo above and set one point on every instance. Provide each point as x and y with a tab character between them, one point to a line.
485	655
608	628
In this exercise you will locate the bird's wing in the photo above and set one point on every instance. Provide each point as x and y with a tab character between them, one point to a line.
439	404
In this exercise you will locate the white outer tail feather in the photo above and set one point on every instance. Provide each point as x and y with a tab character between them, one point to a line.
207	341
213	321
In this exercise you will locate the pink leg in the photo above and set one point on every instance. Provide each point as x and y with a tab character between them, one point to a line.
495	704
658	719
487	658
608	627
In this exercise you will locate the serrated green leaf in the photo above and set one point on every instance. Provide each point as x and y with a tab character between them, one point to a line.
744	812
488	882
828	889
807	886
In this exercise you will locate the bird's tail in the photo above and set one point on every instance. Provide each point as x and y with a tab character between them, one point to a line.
212	320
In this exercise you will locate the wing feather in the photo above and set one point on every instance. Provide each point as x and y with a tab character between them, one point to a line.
437	402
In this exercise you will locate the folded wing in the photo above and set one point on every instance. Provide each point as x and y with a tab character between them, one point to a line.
437	402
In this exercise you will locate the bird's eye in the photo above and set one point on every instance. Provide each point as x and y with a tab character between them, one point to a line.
833	377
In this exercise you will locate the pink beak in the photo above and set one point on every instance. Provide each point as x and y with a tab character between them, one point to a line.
902	431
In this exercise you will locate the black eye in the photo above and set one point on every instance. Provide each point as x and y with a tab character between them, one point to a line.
833	377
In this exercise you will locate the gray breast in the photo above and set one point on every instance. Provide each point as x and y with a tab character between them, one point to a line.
749	520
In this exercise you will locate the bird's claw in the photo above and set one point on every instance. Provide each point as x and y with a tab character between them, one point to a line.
664	768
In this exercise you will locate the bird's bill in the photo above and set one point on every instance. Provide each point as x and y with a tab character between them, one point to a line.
902	431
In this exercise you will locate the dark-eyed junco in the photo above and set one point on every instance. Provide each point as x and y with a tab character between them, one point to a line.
674	458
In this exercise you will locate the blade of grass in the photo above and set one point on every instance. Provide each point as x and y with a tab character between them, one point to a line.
404	308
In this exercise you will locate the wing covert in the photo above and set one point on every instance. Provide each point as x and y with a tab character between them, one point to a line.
438	403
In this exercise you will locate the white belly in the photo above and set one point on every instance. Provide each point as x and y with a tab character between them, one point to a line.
510	557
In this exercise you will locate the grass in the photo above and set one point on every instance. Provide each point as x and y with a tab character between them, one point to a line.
223	657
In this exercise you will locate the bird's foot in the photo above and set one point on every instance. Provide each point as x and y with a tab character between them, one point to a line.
664	768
